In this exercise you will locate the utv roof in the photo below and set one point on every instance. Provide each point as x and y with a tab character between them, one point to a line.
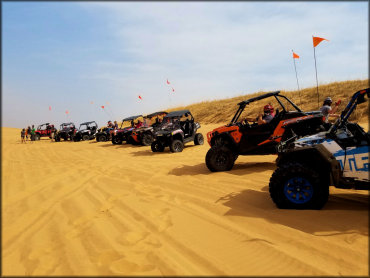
68	124
178	113
86	123
131	118
245	102
156	113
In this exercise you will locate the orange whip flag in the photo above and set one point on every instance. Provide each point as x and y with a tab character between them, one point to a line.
49	108
168	82
296	56
67	112
102	106
91	102
140	97
317	40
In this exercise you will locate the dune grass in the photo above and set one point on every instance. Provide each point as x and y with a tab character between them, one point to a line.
222	111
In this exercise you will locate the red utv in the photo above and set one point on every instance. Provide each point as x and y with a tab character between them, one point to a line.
123	133
241	137
145	135
44	130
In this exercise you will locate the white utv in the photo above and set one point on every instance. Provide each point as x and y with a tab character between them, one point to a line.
307	167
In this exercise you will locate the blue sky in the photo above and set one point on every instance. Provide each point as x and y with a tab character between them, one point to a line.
69	54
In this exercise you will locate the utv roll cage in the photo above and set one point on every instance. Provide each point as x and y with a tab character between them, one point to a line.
130	119
88	125
275	94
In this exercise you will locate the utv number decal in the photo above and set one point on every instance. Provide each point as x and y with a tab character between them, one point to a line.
358	161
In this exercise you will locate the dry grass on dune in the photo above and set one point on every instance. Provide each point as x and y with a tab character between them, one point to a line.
221	111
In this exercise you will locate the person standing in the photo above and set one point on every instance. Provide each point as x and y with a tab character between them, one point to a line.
326	109
28	134
33	130
23	135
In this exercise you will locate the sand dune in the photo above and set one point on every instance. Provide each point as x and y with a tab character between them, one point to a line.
92	208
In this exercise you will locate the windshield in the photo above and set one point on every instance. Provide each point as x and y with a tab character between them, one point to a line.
83	127
66	126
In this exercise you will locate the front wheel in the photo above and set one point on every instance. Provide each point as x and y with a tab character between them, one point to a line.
85	137
101	138
220	159
298	186
198	139
157	147
147	139
176	146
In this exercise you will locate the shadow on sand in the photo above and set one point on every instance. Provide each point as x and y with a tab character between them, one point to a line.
352	208
239	169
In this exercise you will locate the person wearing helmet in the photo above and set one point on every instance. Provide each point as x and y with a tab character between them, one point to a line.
326	109
266	117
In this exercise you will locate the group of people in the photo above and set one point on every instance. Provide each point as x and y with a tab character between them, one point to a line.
28	133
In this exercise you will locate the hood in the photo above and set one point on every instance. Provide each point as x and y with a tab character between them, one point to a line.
311	140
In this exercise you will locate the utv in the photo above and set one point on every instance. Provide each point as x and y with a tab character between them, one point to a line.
67	131
308	166
145	135
242	138
44	130
123	133
86	131
177	128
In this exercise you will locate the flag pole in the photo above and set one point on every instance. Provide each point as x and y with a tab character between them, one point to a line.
296	76
317	83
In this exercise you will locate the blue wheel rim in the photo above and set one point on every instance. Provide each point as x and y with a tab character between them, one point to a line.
298	190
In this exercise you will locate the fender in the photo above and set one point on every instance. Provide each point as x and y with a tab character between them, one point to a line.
231	131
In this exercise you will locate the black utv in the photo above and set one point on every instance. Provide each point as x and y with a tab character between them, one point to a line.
66	131
145	135
86	131
177	129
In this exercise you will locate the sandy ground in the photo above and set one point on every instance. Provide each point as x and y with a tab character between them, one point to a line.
92	208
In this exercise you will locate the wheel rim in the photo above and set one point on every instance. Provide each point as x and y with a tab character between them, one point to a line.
221	159
200	140
298	190
85	138
102	138
177	146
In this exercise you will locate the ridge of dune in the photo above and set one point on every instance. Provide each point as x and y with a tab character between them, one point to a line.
94	209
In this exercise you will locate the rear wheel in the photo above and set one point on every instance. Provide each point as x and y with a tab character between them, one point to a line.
147	139
37	137
176	146
116	140
298	186
198	139
85	137
157	147
220	158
